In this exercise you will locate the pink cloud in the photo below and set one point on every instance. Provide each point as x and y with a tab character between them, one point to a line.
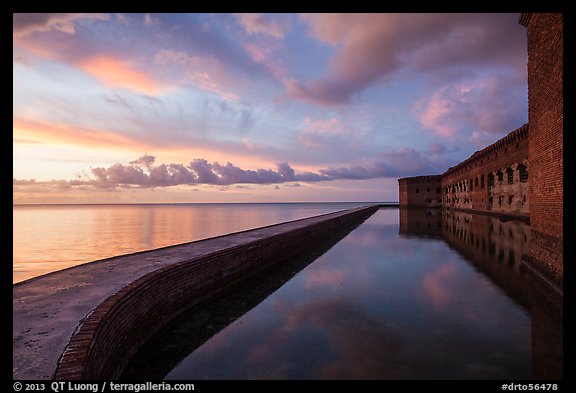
262	52
271	25
332	125
435	114
318	132
149	20
323	277
481	106
116	72
205	73
436	285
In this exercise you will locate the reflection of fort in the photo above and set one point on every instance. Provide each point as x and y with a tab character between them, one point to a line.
495	248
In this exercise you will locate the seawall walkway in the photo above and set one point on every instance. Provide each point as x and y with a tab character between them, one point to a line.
86	321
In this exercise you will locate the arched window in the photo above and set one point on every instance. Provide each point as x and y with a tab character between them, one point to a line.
500	176
510	175
523	171
490	180
482	181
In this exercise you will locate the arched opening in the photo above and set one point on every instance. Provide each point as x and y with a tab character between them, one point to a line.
510	175
523	171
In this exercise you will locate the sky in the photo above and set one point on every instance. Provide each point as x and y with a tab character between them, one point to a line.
174	108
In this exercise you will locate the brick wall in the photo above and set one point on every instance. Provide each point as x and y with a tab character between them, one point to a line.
475	184
545	151
545	114
108	337
420	191
472	184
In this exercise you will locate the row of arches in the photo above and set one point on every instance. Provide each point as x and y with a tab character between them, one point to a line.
502	190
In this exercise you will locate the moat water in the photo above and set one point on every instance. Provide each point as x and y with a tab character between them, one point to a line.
421	294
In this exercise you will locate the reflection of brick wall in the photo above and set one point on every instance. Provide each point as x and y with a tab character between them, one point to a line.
420	222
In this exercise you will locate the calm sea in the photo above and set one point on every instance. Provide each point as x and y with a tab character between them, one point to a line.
47	238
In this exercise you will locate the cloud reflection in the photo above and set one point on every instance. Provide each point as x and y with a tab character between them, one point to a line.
438	283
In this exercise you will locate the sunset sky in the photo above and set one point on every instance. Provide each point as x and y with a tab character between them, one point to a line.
120	108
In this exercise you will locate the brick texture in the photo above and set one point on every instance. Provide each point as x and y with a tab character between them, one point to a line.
472	173
420	191
545	151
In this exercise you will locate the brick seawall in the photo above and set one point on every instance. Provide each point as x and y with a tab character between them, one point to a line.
86	322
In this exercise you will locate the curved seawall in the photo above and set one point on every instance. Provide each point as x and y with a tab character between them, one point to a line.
87	321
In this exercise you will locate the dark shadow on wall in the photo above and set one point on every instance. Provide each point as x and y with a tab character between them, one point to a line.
198	324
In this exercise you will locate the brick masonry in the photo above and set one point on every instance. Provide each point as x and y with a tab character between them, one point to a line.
546	149
492	180
420	191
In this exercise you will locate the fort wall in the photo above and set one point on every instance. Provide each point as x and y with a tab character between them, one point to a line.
546	149
495	179
420	191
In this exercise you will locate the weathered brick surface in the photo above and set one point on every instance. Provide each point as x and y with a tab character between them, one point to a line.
474	173
420	191
470	178
545	152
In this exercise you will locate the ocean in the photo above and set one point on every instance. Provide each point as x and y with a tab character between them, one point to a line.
48	238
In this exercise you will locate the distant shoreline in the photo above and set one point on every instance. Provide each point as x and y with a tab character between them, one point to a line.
393	203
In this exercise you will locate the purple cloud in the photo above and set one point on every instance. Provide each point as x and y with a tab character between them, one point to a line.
391	163
142	173
372	47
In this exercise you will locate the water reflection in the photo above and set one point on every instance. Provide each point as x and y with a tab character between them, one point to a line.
406	295
495	247
47	238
